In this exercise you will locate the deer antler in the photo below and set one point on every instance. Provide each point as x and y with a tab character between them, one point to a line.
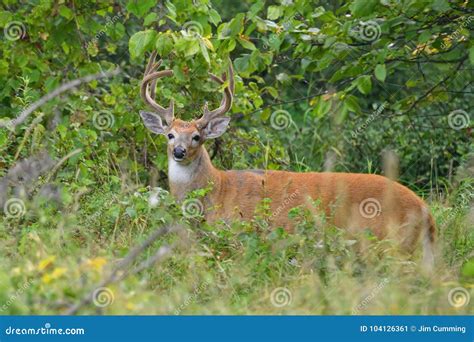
148	93
226	102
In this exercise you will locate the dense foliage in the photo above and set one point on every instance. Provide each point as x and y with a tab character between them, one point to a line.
320	85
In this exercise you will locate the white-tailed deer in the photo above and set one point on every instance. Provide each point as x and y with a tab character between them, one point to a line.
352	201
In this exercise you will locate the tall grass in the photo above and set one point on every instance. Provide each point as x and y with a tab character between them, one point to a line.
53	255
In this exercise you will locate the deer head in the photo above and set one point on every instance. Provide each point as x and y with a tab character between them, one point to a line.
185	138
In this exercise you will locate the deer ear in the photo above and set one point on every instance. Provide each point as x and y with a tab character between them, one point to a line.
153	122
216	127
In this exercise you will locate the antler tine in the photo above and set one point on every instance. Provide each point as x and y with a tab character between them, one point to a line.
150	62
226	102
148	95
151	68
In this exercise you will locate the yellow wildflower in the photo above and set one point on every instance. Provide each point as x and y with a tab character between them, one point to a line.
97	263
45	263
57	273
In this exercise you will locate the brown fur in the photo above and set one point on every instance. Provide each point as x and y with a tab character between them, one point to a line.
235	195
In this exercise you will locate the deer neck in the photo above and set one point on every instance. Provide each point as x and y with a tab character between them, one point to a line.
184	178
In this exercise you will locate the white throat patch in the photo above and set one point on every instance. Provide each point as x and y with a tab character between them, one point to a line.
178	173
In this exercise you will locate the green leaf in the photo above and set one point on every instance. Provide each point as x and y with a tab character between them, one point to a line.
204	52
327	17
361	8
322	107
92	50
131	212
247	44
214	17
411	83
65	47
256	7
318	11
141	42
3	137
188	47
274	42
274	12
260	60
228	45
150	18
192	49
242	64
178	73
5	17
236	25
164	44
471	54
171	9
272	91
424	37
66	12
364	84
352	104
441	5
380	72
140	7
51	83
117	31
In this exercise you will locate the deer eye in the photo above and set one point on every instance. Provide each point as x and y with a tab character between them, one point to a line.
170	136
196	138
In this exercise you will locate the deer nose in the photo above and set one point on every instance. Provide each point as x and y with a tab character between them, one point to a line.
179	152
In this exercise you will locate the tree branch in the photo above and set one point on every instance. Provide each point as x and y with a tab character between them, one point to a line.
58	91
122	269
425	95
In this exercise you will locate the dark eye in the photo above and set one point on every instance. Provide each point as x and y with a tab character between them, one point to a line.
170	136
196	138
